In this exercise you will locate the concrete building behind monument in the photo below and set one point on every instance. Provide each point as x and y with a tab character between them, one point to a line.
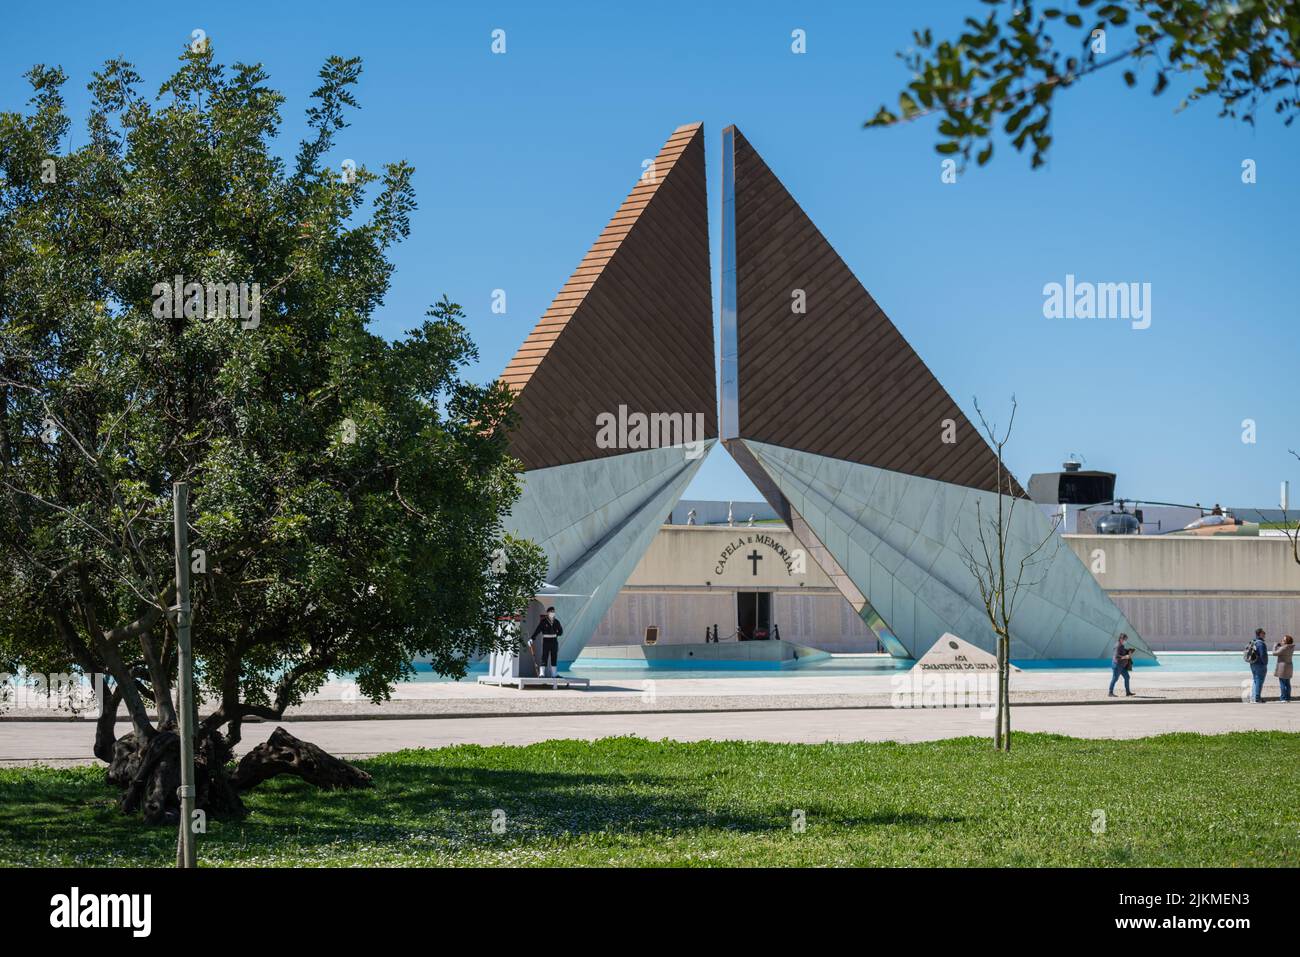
748	583
1185	592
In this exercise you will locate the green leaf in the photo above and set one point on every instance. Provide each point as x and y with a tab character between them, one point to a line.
1018	117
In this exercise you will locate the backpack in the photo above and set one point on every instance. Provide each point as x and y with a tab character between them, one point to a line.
1251	654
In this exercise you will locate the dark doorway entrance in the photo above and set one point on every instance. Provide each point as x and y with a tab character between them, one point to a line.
753	615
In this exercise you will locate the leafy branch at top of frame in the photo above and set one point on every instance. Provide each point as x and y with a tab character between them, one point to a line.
1004	71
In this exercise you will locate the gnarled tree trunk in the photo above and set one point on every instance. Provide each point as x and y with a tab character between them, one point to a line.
282	753
149	773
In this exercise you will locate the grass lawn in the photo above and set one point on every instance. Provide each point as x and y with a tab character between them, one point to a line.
1179	799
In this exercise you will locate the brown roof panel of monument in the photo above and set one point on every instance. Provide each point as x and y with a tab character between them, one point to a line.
839	380
633	326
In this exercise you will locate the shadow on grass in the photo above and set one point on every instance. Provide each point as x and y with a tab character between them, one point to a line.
453	808
411	807
459	803
455	801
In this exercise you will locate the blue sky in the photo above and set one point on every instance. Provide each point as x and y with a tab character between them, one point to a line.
522	158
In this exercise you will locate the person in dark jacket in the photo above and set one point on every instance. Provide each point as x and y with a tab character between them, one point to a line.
550	629
1258	668
1120	662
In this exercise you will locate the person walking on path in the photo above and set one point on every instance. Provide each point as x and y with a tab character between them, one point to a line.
1257	657
1283	651
1120	663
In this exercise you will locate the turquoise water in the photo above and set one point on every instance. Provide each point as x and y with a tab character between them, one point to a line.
1226	661
615	669
621	668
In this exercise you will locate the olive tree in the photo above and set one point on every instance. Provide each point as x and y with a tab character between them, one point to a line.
180	303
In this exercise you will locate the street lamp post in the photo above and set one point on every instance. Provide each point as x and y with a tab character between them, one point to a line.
185	851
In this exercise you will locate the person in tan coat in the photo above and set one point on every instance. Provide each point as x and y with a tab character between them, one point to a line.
1283	651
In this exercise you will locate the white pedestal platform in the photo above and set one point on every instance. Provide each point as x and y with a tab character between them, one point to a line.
521	682
518	668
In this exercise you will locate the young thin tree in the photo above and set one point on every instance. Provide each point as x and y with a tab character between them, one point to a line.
1292	534
1000	564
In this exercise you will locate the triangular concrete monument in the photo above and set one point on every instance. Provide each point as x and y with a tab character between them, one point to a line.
951	653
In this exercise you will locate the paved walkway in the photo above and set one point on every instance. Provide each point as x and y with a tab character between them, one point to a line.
755	692
66	742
